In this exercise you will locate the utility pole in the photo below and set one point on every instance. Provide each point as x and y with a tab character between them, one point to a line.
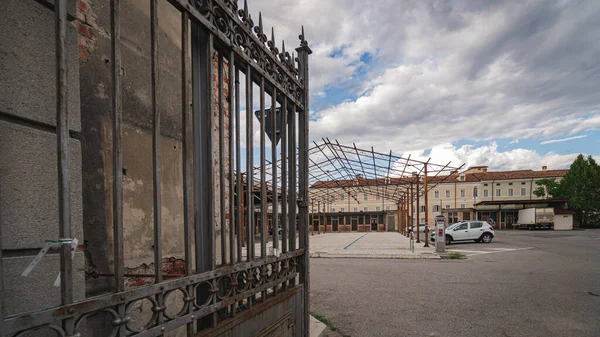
401	214
412	207
312	218
319	216
426	192
325	216
406	196
398	217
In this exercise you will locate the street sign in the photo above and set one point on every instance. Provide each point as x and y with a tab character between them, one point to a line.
268	125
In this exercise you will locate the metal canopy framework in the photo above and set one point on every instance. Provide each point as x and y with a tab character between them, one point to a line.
334	166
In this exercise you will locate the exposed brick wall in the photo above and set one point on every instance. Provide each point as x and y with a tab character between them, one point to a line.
170	266
85	25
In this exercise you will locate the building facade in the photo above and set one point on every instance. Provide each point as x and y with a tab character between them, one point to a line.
459	196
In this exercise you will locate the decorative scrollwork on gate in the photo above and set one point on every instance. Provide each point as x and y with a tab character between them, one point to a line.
142	308
237	26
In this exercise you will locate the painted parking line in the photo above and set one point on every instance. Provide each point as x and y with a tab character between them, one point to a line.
489	251
353	242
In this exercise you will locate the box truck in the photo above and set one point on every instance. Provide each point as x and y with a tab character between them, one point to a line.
536	218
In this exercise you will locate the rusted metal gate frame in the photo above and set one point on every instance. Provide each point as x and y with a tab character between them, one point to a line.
216	26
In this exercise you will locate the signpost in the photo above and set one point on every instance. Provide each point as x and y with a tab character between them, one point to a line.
440	232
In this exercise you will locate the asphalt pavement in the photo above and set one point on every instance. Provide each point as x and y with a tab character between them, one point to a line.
539	283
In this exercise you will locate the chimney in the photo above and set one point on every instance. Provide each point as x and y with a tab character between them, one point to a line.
544	168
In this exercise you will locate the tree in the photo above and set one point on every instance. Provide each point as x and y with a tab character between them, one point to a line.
581	187
548	188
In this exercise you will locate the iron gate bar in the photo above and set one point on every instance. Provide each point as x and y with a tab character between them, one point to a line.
275	198
284	178
221	84
231	157
249	170
1	278
263	178
292	173
238	164
157	204
202	47
187	164
303	52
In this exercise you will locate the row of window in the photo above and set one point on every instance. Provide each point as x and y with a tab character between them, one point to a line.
366	209
436	194
366	196
511	192
463	193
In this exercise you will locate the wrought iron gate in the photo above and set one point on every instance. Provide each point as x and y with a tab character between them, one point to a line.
231	293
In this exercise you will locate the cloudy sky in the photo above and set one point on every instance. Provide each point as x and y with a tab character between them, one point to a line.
510	84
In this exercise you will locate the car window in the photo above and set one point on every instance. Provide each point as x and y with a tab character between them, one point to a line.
476	224
462	226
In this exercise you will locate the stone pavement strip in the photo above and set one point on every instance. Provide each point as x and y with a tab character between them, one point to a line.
374	245
370	245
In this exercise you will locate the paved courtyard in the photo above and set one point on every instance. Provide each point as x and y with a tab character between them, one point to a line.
382	245
367	245
540	283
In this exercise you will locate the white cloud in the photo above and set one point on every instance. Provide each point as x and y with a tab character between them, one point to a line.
449	70
552	141
516	159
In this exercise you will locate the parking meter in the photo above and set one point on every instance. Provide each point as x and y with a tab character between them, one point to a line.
440	233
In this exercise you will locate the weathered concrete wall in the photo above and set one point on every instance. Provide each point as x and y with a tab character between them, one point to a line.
28	169
137	136
94	58
94	51
28	164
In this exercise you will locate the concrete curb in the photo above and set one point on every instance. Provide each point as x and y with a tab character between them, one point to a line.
380	256
316	327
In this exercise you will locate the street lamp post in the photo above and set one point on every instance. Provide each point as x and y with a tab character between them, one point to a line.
426	205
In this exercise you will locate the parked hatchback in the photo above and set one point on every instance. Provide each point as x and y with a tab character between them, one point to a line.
478	231
421	228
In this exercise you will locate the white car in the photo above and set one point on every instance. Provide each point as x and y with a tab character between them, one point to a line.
478	231
421	228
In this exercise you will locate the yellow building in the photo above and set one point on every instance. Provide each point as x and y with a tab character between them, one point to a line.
462	196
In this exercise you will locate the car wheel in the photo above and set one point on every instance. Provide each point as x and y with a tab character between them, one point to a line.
448	240
529	227
487	238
